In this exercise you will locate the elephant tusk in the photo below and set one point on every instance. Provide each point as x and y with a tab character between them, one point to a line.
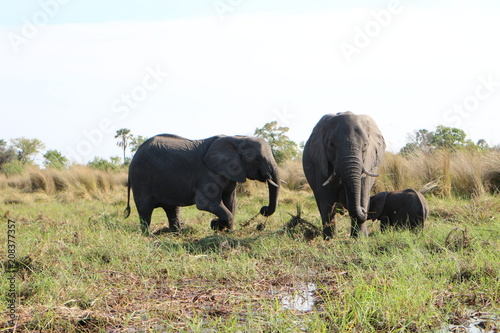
284	182
272	183
369	173
330	179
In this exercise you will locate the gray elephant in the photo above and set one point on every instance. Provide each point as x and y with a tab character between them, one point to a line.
339	160
169	171
399	209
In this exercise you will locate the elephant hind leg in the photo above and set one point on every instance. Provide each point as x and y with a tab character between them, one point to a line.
174	223
145	218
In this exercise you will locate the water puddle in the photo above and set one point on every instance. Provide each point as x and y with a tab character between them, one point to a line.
301	299
478	322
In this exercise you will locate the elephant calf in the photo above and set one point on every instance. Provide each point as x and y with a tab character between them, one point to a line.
399	209
169	171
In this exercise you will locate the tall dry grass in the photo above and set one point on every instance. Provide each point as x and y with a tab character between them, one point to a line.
465	173
292	174
77	181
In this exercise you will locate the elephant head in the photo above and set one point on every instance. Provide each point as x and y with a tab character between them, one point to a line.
377	204
238	158
340	159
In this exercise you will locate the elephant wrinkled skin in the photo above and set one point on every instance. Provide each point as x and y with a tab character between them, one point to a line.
340	160
399	209
169	171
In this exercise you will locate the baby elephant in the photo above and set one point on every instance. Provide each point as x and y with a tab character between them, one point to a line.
399	209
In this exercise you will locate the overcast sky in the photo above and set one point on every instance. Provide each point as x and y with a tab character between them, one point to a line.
72	72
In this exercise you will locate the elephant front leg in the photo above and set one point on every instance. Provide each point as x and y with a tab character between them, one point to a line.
358	228
225	218
229	200
328	219
384	223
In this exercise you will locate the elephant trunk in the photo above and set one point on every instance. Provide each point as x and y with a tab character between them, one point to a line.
351	177
273	182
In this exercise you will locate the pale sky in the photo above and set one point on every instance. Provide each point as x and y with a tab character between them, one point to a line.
72	72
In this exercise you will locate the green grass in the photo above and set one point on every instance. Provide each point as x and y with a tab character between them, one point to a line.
84	268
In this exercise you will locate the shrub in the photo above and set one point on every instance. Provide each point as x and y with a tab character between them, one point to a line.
104	165
11	168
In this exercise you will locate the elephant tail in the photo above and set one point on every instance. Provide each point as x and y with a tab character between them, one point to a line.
127	210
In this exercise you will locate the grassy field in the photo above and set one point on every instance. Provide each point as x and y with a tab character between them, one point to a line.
82	267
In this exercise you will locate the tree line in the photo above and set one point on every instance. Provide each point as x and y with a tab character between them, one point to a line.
449	138
22	151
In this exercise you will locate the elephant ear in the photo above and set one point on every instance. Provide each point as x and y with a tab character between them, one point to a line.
224	159
377	203
317	146
380	148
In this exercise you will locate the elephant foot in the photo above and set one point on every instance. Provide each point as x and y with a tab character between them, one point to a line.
328	232
359	230
219	225
166	230
176	227
145	231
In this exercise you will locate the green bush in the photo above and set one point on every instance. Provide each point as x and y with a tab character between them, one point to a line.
11	168
100	163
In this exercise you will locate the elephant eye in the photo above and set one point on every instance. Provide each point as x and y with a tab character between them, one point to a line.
365	147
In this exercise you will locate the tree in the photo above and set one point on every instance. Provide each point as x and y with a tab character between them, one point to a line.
282	147
409	148
420	140
7	154
423	139
443	137
27	149
54	159
123	135
448	137
136	142
482	144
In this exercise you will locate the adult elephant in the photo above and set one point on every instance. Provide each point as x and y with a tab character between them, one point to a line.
169	171
340	158
399	209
